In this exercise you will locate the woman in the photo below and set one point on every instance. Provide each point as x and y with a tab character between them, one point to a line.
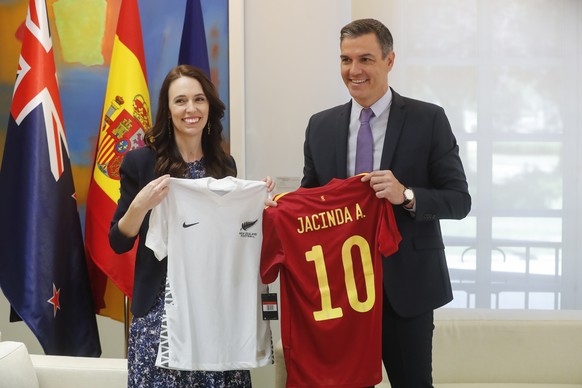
186	142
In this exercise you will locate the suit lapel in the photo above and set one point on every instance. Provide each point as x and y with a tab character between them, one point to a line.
342	124
394	127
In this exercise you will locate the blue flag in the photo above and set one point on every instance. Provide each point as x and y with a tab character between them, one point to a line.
193	48
43	272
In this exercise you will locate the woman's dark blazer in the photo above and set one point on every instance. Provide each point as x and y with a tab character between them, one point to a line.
136	171
422	152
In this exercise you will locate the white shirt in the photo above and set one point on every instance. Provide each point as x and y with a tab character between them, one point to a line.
378	123
211	232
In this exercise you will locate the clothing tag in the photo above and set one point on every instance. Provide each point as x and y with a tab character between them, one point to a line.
270	307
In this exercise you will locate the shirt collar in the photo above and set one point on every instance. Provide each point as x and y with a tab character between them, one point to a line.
378	107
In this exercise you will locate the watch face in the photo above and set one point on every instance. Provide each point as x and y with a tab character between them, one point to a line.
408	194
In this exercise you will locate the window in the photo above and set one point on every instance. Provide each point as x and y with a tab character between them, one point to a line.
507	73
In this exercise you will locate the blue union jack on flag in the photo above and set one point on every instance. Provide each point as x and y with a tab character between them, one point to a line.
43	271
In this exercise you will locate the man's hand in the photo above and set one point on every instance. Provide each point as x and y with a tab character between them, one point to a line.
386	186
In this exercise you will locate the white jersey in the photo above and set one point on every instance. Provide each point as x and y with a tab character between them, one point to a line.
211	232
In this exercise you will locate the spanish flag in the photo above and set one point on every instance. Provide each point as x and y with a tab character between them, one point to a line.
125	118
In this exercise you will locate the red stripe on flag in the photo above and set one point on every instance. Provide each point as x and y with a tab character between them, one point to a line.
126	32
119	268
58	147
106	152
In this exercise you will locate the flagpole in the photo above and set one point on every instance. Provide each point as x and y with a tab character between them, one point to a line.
126	319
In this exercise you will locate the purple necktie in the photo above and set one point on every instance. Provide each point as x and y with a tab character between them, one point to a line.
365	145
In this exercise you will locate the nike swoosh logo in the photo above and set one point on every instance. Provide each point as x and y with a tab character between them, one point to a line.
185	225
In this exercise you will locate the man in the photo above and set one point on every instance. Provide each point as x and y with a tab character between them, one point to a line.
416	167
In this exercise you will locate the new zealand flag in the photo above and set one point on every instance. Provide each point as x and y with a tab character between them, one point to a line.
43	272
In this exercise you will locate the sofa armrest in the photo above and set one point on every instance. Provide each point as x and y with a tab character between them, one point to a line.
85	372
16	370
507	346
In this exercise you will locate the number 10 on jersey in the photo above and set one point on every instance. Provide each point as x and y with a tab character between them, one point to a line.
327	310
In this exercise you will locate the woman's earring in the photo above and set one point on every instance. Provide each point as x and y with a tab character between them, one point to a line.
209	127
170	128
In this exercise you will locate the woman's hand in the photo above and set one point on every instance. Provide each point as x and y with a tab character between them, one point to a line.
152	194
270	187
148	197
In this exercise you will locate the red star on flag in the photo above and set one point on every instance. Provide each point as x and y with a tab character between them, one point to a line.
55	300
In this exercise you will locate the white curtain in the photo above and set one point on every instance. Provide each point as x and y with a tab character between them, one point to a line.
508	73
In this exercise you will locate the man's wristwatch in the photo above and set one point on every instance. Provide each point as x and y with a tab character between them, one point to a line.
408	196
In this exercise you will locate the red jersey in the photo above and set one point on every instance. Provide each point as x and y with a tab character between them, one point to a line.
327	245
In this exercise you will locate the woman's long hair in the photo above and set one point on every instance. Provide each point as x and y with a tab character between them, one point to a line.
160	138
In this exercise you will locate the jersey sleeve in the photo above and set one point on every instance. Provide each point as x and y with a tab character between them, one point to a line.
157	235
272	254
388	236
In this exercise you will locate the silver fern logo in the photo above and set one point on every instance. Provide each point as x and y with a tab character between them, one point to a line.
245	226
248	224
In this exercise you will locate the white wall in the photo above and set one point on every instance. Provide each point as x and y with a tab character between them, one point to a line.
291	72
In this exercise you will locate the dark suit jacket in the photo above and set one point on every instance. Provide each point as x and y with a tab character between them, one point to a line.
422	152
136	171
